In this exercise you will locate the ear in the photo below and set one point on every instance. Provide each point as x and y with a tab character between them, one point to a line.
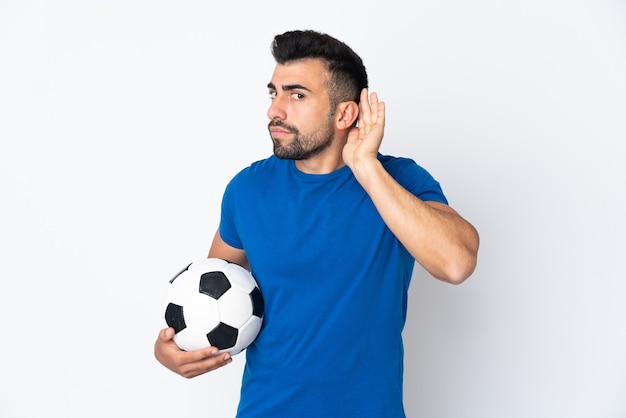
346	114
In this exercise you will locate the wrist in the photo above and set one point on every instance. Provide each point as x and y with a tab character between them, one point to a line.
366	169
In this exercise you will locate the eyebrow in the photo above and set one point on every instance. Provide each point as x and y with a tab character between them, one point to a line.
288	87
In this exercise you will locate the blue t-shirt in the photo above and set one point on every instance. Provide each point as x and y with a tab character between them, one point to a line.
335	281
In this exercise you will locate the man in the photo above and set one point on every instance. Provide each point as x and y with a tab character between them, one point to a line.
331	230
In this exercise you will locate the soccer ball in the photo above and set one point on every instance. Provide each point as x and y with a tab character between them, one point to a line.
212	302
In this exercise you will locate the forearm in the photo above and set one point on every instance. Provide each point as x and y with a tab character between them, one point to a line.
439	239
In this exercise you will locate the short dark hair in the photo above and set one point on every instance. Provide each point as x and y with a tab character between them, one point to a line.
347	72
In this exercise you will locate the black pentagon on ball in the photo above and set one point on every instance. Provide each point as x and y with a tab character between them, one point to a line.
174	317
223	336
214	284
258	305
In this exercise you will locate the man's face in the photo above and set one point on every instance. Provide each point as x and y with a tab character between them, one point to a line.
301	120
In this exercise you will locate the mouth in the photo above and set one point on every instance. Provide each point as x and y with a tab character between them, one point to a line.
279	131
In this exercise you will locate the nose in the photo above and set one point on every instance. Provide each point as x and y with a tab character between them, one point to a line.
277	109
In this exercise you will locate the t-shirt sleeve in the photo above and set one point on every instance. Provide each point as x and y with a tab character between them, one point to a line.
227	227
415	179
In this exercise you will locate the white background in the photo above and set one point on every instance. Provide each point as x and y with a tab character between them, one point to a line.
122	121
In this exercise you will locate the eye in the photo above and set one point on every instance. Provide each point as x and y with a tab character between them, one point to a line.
271	94
297	96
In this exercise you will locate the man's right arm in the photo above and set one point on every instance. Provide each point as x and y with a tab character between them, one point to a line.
194	363
219	249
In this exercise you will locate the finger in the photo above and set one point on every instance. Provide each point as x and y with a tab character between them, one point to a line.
220	360
380	118
364	110
374	108
201	354
204	365
166	334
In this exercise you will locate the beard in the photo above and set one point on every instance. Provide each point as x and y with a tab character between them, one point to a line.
303	146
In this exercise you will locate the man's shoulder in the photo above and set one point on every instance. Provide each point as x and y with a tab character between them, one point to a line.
394	164
265	165
413	177
261	172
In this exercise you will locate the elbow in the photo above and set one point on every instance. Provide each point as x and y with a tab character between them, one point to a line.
460	267
454	265
459	275
458	270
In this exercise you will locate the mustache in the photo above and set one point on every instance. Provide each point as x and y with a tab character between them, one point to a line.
281	124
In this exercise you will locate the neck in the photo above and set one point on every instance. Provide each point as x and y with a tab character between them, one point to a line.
315	166
326	161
